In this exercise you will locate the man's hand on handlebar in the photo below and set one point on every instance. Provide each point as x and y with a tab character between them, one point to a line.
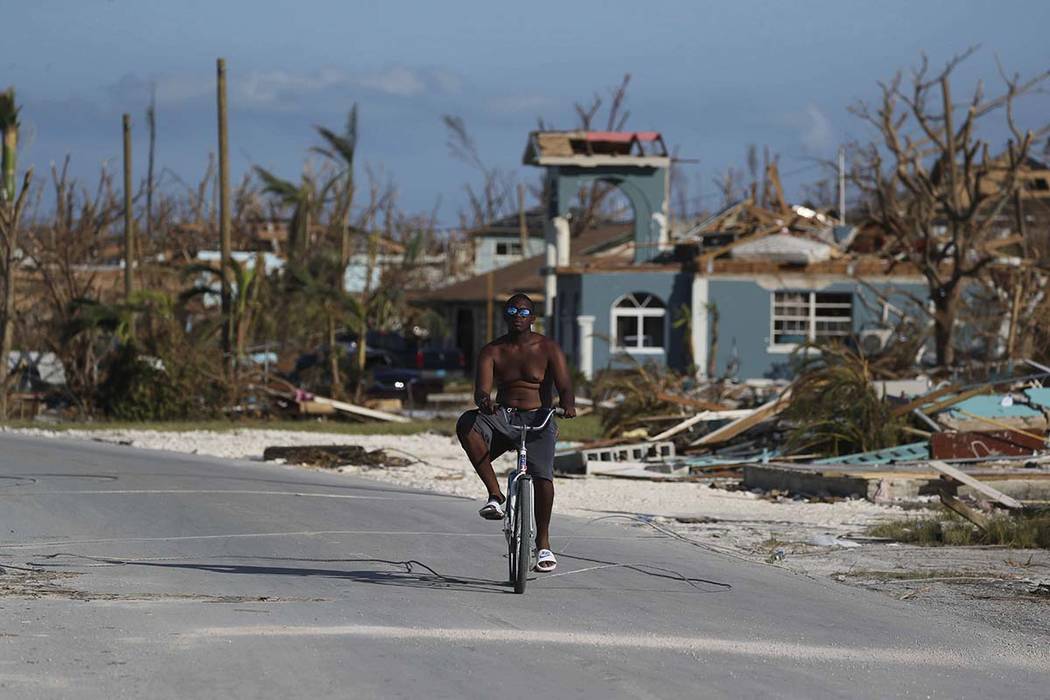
485	405
568	411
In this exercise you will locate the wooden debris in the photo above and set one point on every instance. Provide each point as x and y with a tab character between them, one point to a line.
360	410
978	486
312	408
699	418
766	410
1006	426
332	456
973	515
957	399
921	401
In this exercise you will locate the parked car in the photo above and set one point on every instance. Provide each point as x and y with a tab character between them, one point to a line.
409	385
430	357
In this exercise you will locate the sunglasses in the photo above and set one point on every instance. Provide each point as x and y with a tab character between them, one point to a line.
516	311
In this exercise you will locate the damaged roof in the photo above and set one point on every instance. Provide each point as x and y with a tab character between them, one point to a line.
524	276
589	148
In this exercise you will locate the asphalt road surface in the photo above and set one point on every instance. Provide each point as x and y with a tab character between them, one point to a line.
143	574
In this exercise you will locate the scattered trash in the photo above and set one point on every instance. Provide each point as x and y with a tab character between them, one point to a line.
832	541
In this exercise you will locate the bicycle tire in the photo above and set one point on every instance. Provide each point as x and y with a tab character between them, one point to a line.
512	516
524	535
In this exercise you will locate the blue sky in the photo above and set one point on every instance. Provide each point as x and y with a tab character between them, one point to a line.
712	76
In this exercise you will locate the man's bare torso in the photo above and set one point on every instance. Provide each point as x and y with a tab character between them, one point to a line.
521	370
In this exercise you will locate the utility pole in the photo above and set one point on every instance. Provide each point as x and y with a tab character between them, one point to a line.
151	123
129	218
224	215
842	186
523	226
490	292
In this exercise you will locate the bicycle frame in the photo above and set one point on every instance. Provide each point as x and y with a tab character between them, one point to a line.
517	480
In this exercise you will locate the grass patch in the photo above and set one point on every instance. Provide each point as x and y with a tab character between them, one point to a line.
576	430
1021	531
582	429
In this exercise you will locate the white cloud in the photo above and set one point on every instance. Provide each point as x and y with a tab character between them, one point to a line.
396	80
285	90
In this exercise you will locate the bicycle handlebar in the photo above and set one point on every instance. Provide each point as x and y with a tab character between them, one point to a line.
541	426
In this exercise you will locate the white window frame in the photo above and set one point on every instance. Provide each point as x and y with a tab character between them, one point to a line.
509	245
638	313
812	318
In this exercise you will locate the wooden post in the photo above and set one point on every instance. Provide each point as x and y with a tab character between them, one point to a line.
490	284
523	225
8	233
224	215
151	124
129	218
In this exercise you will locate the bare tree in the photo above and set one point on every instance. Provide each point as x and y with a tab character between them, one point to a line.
593	197
496	197
932	185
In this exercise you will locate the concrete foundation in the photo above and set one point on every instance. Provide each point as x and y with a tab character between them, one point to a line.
884	483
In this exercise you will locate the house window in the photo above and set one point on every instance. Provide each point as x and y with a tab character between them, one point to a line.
800	317
638	323
508	248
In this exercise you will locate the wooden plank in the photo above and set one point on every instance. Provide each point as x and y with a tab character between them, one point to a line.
699	418
312	408
361	410
958	398
974	516
920	401
979	487
1040	439
727	432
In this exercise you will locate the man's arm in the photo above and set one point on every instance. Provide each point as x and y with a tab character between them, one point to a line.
483	380
563	380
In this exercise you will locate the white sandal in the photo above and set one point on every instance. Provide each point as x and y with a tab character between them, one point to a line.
493	510
545	561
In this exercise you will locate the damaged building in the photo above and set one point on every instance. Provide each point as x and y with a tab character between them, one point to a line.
732	295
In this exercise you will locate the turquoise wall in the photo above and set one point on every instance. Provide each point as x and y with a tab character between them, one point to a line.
593	294
745	308
744	316
646	188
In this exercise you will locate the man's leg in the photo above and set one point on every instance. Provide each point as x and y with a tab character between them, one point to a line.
544	490
477	450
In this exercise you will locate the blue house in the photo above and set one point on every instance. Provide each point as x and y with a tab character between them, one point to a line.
739	308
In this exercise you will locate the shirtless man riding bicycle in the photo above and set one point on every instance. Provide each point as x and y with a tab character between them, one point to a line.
525	368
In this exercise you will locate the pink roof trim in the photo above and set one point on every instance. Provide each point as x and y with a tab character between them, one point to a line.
621	136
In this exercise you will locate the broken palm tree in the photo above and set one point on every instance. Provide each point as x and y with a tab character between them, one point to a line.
835	409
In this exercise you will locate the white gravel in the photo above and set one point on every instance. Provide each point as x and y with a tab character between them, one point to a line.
745	520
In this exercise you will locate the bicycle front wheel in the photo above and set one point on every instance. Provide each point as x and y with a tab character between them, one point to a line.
523	534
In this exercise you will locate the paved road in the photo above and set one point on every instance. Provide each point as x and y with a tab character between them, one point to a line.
165	575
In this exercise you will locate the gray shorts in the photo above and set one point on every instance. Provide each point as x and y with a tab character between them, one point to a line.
502	434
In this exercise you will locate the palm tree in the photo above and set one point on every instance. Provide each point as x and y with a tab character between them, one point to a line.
340	149
245	304
303	198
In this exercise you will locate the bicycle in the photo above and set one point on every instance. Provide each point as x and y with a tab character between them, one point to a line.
519	521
